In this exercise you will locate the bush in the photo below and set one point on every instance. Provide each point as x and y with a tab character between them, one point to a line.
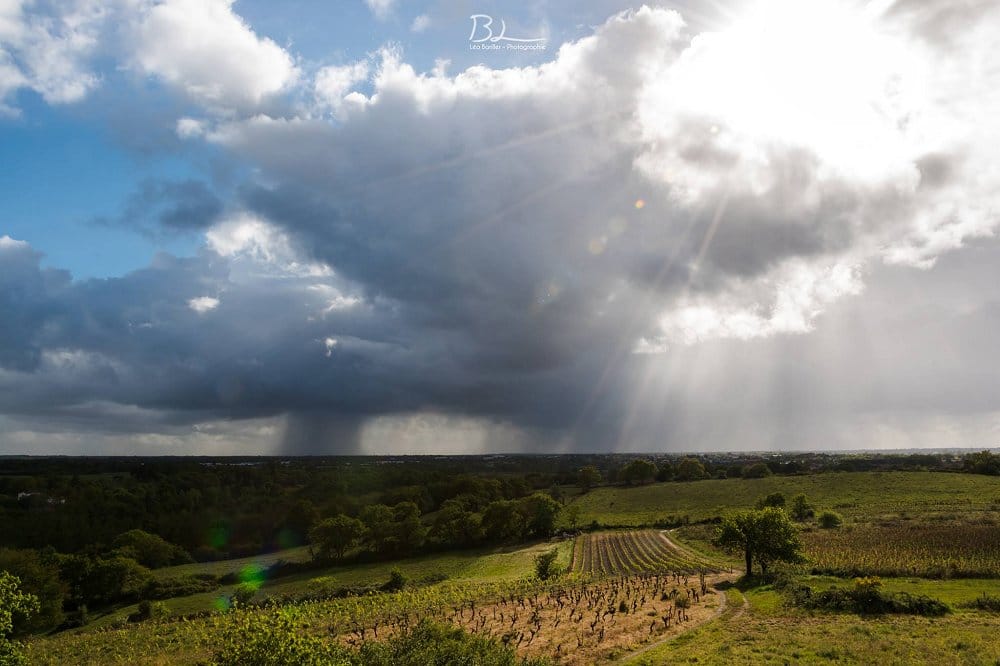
396	582
274	639
829	520
149	610
14	604
430	644
545	564
866	597
986	602
243	594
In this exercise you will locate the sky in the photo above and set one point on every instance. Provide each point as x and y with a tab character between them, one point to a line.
464	226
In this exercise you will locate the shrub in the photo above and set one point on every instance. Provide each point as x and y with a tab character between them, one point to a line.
430	644
243	594
14	604
865	597
829	520
545	564
396	582
986	602
274	639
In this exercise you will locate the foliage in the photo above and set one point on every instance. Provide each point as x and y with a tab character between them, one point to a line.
545	564
273	639
866	597
14	605
333	537
766	535
149	550
801	508
588	477
758	470
540	512
939	549
776	500
455	525
690	469
430	644
984	462
396	582
638	472
986	602
39	576
829	520
94	581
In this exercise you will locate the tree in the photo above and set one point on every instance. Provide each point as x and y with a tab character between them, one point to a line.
502	521
455	526
14	605
766	535
335	536
983	462
638	472
758	470
149	550
690	469
540	512
380	528
588	477
801	508
409	529
776	500
39	577
572	515
300	518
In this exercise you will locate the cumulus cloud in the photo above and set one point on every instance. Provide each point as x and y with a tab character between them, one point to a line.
48	52
162	206
492	247
207	51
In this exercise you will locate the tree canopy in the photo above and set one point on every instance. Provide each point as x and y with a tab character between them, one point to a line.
765	535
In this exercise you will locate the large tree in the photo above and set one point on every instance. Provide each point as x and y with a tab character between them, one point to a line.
335	536
766	535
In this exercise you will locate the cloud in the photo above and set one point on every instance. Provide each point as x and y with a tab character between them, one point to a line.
161	206
205	50
467	250
48	52
382	9
420	23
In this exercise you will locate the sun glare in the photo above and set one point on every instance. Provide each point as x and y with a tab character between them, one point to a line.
821	75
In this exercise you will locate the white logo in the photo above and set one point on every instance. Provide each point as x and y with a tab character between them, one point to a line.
484	38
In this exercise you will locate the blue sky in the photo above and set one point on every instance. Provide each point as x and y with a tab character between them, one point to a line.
313	227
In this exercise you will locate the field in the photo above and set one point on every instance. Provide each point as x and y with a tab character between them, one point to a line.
637	595
580	619
635	552
856	495
758	628
928	549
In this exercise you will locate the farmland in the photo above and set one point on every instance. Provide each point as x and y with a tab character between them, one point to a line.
634	552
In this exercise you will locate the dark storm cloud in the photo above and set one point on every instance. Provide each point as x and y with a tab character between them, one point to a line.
163	206
495	246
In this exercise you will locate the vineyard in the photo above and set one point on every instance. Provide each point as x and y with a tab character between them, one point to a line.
944	550
570	623
634	552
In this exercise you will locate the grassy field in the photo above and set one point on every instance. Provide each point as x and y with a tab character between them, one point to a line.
234	566
768	632
473	565
861	496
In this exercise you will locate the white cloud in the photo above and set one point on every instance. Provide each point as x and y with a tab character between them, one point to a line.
335	82
206	50
189	128
381	8
203	304
49	53
420	23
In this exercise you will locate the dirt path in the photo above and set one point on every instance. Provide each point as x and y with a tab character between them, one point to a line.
719	610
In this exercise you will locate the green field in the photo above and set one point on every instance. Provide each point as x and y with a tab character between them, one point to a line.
768	632
891	517
856	495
